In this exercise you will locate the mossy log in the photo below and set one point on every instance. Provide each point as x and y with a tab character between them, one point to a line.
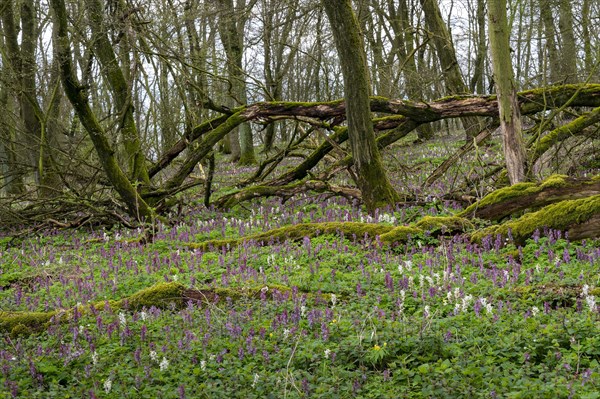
579	218
388	235
519	197
163	296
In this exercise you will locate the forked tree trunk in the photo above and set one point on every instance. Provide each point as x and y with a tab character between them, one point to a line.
137	207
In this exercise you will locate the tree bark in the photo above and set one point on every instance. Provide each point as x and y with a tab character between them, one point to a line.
510	117
455	84
372	180
231	29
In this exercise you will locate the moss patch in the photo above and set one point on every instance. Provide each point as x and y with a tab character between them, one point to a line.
559	216
24	323
161	295
388	234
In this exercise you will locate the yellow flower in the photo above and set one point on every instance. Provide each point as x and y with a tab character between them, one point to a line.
377	348
270	335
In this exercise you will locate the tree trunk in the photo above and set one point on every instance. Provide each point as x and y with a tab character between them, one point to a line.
372	180
477	85
552	60
446	54
231	29
569	46
510	116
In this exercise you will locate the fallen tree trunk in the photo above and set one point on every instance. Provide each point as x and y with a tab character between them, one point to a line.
519	197
579	218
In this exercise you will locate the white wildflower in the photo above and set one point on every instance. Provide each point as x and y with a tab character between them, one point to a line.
122	319
264	289
426	311
591	302
333	300
256	378
164	364
537	268
408	264
153	356
302	310
143	315
203	365
95	358
327	353
429	280
175	277
400	269
486	305
286	333
465	302
586	290
107	385
535	310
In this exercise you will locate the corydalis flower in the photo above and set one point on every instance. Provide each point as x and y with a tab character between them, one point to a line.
591	302
122	319
164	364
327	353
107	385
333	300
585	290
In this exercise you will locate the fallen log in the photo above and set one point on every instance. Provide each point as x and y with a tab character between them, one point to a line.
579	218
520	197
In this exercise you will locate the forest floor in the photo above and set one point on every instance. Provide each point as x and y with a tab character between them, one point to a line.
92	313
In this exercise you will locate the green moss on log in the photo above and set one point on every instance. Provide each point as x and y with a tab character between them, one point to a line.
559	216
26	323
514	191
160	295
388	234
443	223
399	234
